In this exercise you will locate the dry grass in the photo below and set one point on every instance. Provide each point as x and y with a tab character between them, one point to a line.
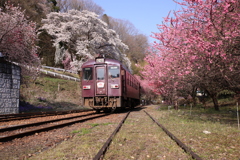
85	143
220	142
54	93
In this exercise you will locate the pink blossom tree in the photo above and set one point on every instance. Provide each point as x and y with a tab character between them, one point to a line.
17	37
146	91
198	47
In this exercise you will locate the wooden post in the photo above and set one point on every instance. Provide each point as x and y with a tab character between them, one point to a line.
237	115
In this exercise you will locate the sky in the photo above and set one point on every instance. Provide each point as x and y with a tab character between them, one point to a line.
143	14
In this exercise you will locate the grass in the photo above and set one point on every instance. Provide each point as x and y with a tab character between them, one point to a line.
223	139
82	131
50	93
97	124
83	146
140	138
226	115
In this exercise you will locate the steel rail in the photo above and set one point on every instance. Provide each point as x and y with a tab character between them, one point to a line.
179	143
103	150
10	117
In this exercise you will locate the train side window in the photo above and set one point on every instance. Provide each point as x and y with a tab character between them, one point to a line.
113	72
87	73
100	73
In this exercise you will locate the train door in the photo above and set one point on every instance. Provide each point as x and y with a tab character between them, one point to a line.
101	81
123	74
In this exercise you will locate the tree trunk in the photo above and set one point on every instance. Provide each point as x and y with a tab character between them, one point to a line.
215	102
176	105
213	95
193	94
175	99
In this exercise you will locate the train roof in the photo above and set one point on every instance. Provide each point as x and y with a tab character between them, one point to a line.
106	60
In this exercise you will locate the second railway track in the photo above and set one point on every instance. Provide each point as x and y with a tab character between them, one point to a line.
20	116
17	131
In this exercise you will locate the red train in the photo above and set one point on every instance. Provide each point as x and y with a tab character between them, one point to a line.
107	85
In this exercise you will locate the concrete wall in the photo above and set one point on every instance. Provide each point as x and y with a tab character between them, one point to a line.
9	87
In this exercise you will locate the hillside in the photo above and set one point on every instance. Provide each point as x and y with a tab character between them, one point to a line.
49	93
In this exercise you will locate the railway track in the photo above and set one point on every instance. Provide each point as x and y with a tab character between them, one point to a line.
11	117
9	133
18	131
102	151
174	138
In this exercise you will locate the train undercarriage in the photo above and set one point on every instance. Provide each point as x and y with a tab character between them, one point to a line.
109	104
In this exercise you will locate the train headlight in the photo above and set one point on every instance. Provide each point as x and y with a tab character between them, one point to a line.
99	60
114	86
87	87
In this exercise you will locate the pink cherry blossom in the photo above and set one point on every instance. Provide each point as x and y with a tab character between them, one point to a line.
197	47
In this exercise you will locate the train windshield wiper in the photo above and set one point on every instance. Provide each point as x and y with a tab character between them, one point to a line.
88	78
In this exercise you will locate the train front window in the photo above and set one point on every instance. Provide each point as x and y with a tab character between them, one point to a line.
113	72
100	73
87	73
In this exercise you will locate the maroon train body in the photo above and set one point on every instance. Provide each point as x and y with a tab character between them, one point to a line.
107	85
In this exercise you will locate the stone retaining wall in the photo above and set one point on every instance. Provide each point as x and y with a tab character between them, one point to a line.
10	75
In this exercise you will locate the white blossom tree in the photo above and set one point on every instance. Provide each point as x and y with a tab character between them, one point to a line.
81	35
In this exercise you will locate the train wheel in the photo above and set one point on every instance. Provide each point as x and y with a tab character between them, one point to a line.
107	110
97	110
124	104
113	109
